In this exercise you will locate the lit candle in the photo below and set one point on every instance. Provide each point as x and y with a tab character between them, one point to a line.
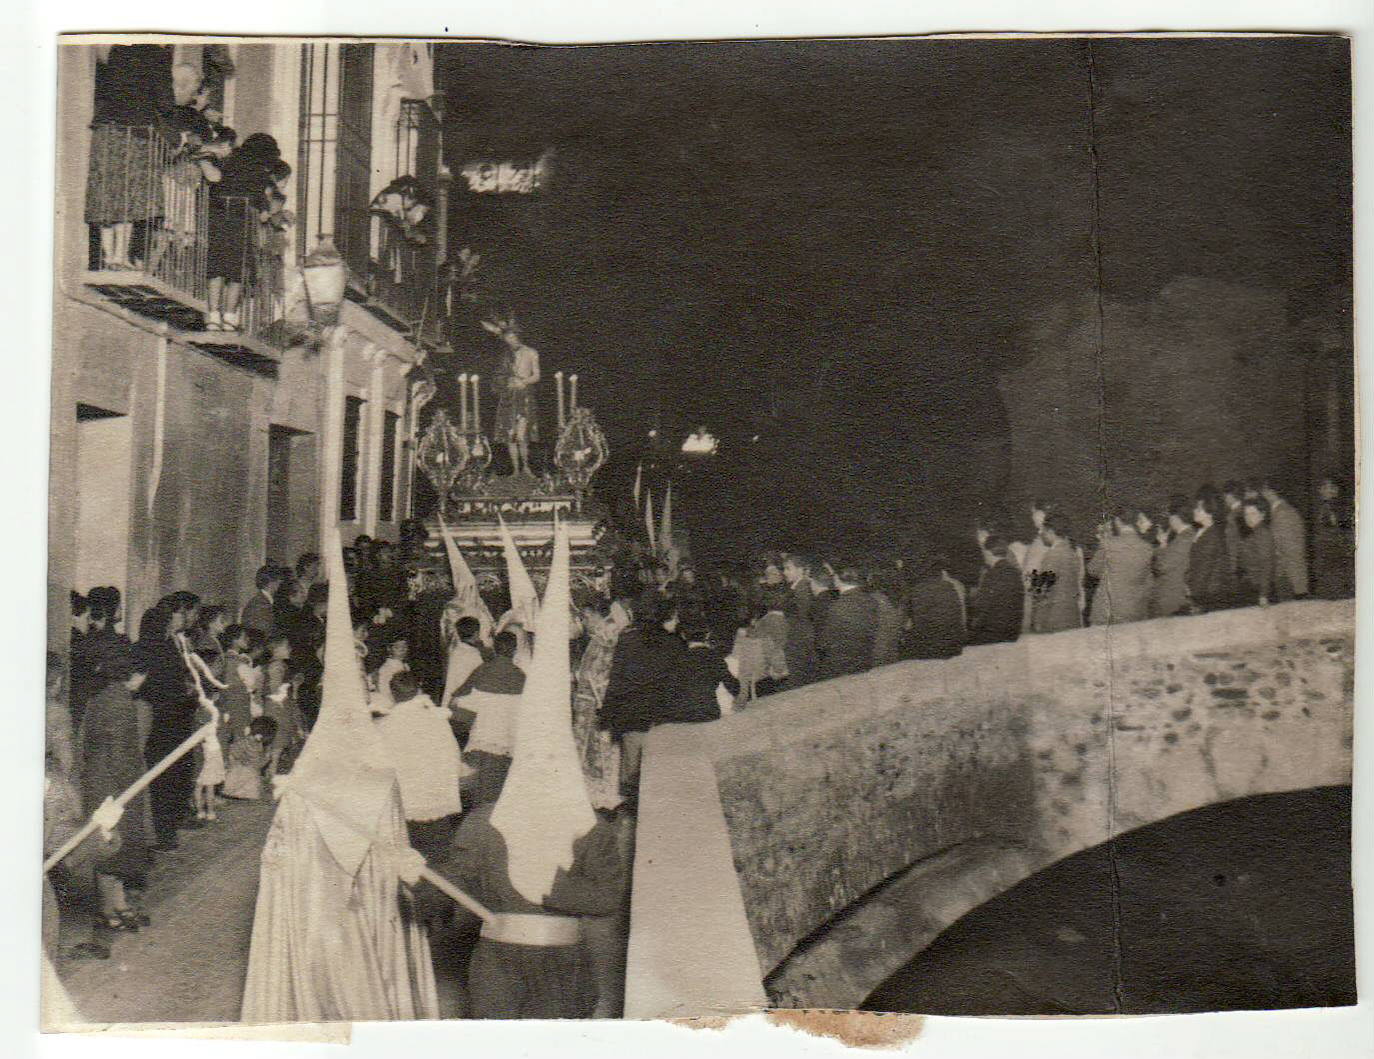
572	394
476	404
558	380
463	402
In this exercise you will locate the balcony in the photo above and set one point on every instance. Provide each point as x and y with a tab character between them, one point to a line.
401	283
172	238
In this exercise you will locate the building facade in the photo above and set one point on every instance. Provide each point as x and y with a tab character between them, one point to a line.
183	456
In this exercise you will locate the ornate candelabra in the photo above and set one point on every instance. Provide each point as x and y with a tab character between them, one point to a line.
443	454
581	451
474	476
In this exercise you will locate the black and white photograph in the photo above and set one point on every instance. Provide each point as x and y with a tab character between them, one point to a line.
674	530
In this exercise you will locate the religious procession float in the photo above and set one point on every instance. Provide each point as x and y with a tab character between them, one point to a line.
456	455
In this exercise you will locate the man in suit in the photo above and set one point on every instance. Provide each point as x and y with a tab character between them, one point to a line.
796	571
822	593
999	604
258	613
1290	544
1232	493
642	681
937	608
703	688
845	642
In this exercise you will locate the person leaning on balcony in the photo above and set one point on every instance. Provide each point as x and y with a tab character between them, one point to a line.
185	131
276	219
235	201
133	86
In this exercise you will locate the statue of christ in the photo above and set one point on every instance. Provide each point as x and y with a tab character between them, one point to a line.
516	421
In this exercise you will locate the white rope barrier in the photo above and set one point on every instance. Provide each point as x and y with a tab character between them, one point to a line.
430	876
186	746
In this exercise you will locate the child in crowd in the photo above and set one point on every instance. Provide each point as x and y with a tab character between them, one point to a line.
62	818
212	772
112	760
397	652
242	699
274	237
280	702
249	758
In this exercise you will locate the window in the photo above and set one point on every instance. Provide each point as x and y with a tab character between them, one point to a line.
335	152
386	504
348	465
318	139
352	220
408	137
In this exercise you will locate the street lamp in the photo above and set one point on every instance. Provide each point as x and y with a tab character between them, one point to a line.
326	278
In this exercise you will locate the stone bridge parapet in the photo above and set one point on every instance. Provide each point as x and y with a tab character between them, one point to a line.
765	833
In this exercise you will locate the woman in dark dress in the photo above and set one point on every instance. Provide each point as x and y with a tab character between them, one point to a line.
1211	582
235	202
168	692
133	86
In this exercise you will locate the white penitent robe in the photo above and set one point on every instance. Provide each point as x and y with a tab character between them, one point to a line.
463	659
330	946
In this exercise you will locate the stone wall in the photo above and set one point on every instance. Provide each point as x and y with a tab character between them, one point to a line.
1049	745
1203	382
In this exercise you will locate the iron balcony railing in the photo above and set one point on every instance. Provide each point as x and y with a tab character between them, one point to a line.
403	277
137	179
255	248
175	234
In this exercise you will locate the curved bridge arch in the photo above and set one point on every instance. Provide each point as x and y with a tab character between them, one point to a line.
764	834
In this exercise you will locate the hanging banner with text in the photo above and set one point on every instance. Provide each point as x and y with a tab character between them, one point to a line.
505	178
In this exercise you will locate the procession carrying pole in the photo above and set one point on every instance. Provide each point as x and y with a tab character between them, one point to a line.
481	911
430	876
187	745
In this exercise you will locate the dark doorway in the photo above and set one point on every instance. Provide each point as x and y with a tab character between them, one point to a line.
290	478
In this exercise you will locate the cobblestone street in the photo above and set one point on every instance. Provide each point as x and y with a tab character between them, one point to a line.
189	965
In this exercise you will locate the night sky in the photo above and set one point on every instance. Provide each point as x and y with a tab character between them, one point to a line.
836	245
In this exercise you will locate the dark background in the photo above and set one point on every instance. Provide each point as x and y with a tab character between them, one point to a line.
840	247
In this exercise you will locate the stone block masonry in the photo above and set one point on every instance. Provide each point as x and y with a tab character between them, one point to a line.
1045	747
